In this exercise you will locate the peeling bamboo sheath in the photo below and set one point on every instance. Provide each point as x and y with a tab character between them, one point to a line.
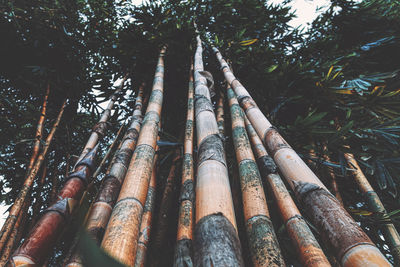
307	247
45	233
183	250
263	243
374	203
122	233
351	245
100	211
216	239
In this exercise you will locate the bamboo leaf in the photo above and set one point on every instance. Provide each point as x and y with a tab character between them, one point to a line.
248	42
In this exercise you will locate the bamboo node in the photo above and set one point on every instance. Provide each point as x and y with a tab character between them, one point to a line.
212	148
100	128
202	103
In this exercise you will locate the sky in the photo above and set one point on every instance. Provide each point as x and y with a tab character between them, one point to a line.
306	11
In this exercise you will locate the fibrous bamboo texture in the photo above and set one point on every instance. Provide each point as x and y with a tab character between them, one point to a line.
351	245
100	211
216	241
122	233
263	243
307	247
389	230
183	251
45	233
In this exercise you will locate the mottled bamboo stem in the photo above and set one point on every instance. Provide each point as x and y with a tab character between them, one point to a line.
122	233
216	240
47	230
351	245
263	243
6	230
100	211
375	204
183	251
219	113
307	247
26	188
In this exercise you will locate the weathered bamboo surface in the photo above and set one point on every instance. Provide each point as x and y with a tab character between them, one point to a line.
263	243
122	233
350	244
216	241
307	247
183	250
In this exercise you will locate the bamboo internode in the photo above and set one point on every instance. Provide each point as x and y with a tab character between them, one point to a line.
263	243
307	247
216	240
122	233
183	251
351	245
45	233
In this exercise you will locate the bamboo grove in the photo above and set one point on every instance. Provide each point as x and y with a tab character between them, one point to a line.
196	159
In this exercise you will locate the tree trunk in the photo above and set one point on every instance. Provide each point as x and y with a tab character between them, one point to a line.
351	245
183	251
216	241
122	233
47	230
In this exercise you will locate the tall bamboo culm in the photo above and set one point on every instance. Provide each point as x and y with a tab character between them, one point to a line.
350	244
307	247
46	231
100	211
16	208
183	250
263	243
375	204
216	241
122	233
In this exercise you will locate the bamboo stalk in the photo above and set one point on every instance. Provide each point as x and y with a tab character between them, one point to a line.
100	211
351	245
216	240
6	229
39	199
375	204
219	113
183	250
307	247
121	236
332	176
264	246
47	230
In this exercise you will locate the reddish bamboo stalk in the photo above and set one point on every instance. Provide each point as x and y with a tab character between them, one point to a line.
351	245
100	211
26	187
39	198
390	233
183	251
307	247
216	240
6	230
47	230
264	246
122	233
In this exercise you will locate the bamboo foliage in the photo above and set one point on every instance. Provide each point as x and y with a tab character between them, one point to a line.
216	241
45	233
183	251
307	247
122	233
351	245
100	212
264	246
375	204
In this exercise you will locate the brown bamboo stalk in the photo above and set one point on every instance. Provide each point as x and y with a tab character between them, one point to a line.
331	174
219	113
307	247
26	187
389	231
351	245
183	250
216	241
122	233
263	243
39	199
5	231
47	230
100	211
